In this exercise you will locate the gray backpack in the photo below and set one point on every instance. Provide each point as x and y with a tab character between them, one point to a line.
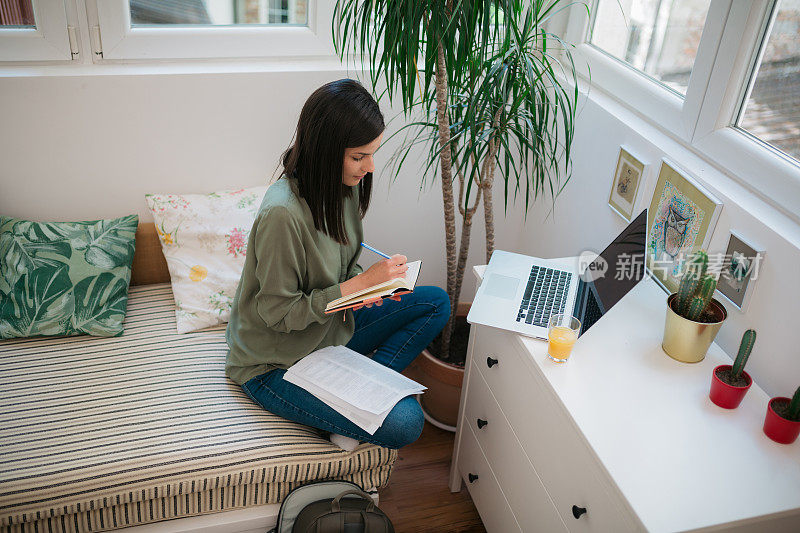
331	507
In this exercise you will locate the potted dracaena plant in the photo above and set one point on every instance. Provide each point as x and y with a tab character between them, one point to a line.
694	317
729	383
782	422
489	91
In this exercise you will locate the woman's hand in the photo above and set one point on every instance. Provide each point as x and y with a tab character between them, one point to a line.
386	270
376	301
382	271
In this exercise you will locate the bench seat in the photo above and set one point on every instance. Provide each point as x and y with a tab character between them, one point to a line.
102	433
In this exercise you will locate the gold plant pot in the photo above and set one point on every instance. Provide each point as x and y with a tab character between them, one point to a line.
686	340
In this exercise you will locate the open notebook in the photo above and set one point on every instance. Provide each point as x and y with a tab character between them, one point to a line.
386	289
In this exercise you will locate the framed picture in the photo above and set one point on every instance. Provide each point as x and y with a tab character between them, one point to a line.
740	268
680	221
625	188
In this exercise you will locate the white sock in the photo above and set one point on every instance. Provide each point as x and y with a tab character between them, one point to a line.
345	443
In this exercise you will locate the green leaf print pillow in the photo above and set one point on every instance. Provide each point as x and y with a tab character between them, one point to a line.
65	278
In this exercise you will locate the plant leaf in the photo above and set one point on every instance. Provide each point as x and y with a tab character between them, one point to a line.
19	254
41	303
100	303
109	243
50	231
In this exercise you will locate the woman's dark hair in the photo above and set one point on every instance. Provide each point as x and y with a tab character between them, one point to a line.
340	114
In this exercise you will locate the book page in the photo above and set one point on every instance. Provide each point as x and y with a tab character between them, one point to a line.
412	274
354	378
387	287
367	421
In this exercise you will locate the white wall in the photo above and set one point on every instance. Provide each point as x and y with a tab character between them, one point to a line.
86	146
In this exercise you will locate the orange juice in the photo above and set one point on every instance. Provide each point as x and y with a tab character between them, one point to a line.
562	339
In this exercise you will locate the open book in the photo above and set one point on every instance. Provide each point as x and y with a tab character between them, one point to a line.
393	287
360	389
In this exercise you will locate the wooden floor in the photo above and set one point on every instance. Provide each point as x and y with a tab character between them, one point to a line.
418	498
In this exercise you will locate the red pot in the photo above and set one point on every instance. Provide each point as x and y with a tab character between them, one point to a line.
778	428
725	395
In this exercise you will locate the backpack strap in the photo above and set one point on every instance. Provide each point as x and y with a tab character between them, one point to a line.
341	522
336	506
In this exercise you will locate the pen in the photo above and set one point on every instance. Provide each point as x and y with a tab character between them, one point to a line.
371	249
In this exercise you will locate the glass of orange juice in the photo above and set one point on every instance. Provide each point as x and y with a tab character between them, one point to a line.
562	332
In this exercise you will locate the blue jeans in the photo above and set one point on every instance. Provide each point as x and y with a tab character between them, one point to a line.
397	332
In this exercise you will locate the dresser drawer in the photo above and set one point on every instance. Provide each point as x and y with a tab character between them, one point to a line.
484	489
518	480
566	467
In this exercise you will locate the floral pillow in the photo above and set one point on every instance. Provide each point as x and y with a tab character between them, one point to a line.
65	278
204	239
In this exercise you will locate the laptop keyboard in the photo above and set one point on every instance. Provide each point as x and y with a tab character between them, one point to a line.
592	313
545	295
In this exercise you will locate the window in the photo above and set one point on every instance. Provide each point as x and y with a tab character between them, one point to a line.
16	13
657	37
34	30
202	29
219	12
771	112
720	76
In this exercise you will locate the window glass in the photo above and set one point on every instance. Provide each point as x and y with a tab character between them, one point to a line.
772	111
16	13
657	37
218	12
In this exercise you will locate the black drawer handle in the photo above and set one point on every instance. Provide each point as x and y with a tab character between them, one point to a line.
472	478
481	423
491	361
578	511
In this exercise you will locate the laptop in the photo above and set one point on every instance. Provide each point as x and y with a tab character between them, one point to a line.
519	293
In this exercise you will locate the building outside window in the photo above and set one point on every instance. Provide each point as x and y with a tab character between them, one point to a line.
17	13
771	111
657	37
218	12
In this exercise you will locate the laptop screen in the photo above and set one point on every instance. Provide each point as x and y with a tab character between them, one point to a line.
614	273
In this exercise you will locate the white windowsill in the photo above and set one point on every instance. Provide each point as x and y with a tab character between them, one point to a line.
182	67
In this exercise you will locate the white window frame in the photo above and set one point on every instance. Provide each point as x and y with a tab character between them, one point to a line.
632	87
113	36
48	41
735	150
703	120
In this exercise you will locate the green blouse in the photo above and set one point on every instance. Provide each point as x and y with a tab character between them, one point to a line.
291	272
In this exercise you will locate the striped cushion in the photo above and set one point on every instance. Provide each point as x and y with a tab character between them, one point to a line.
98	433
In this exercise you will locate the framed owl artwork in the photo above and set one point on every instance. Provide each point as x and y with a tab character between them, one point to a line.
625	188
680	221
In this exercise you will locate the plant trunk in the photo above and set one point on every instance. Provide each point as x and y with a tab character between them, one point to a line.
446	158
489	220
463	252
487	181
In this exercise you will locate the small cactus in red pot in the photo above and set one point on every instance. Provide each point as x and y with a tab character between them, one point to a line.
782	423
729	383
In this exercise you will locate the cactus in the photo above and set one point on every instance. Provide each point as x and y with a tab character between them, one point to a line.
700	260
697	264
794	407
706	288
696	290
746	346
685	292
696	267
696	307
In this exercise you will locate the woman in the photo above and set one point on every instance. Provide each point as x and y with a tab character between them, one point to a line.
302	254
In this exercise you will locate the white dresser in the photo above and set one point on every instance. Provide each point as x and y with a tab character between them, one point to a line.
619	438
